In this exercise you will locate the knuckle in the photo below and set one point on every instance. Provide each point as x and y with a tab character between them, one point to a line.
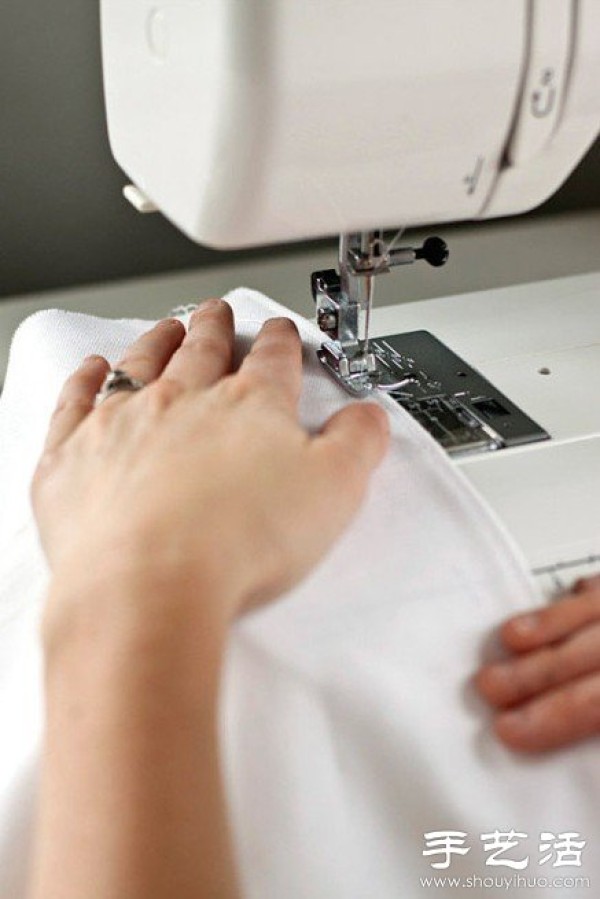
105	411
213	344
160	394
102	415
245	384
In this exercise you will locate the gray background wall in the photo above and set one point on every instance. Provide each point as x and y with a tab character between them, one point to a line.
62	219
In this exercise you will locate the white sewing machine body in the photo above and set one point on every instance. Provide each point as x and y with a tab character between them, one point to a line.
249	122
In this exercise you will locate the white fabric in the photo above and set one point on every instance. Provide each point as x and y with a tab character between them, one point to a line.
349	725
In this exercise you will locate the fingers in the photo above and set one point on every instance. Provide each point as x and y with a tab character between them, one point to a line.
276	359
546	626
350	446
512	682
147	356
145	359
557	718
549	693
76	400
206	353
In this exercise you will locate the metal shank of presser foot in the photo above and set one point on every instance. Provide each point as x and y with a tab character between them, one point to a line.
344	302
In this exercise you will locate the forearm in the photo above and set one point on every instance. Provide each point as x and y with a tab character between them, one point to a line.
131	800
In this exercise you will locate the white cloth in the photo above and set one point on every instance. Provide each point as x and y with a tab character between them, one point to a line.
349	726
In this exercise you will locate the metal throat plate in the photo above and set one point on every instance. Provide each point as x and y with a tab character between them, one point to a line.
460	408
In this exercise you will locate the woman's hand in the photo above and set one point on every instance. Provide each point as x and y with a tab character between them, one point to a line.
547	694
204	476
163	514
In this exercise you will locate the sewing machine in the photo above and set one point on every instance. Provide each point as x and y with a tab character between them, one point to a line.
249	122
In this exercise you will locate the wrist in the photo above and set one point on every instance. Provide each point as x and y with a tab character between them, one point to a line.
132	601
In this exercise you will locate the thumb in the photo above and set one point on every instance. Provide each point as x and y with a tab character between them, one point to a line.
351	445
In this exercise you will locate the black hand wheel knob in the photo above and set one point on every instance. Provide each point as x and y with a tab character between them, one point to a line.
434	251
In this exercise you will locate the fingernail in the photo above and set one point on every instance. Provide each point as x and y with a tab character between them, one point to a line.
210	304
169	322
525	624
281	322
585	583
93	360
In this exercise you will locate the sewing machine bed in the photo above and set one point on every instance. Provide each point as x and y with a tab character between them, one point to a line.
539	345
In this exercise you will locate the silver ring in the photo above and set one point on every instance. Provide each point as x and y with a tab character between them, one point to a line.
118	381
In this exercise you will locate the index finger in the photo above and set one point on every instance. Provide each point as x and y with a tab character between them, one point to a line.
276	359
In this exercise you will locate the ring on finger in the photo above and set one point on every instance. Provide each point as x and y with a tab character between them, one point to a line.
118	381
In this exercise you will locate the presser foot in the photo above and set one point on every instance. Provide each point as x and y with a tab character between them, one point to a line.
361	374
343	305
